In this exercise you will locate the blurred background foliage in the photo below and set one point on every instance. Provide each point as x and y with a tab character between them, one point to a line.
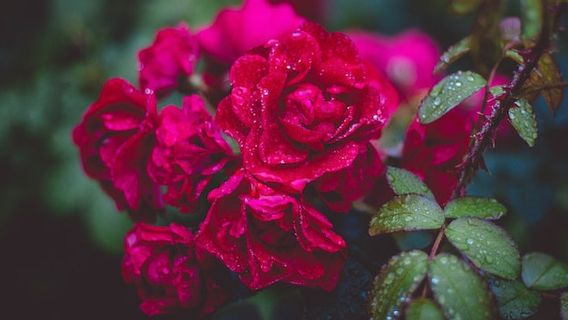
62	237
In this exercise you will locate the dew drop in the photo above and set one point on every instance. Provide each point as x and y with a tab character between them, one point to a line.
437	101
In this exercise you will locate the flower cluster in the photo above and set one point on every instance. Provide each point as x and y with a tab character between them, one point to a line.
277	136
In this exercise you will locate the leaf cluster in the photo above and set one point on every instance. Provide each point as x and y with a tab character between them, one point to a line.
489	276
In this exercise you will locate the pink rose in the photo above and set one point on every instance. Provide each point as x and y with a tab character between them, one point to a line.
189	151
168	274
172	56
115	138
267	236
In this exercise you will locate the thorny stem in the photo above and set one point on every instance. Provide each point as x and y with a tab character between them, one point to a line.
485	98
488	85
484	138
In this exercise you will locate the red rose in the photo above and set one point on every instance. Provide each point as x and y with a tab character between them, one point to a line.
267	236
189	151
303	106
115	138
168	274
339	189
172	55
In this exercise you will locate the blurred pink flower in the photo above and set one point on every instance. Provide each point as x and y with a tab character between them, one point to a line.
237	30
408	59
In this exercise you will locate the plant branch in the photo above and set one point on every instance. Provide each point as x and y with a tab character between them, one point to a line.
437	242
484	138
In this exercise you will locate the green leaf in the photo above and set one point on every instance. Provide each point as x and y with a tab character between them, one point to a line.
544	272
448	93
407	212
515	56
497	91
405	182
453	53
514	300
523	120
457	288
531	18
423	309
464	6
474	207
486	245
396	282
564	306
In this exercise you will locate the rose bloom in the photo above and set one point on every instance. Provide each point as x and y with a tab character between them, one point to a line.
171	57
189	151
408	58
115	139
339	189
237	30
170	276
267	236
303	106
